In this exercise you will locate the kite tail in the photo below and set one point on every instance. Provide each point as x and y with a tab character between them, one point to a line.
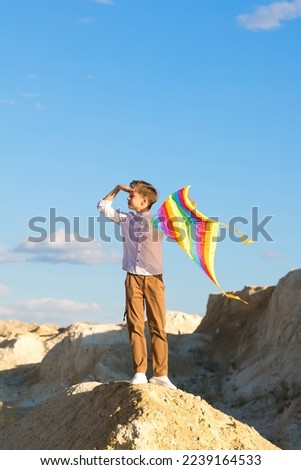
232	296
244	238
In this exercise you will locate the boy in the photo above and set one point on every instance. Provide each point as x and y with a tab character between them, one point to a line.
142	260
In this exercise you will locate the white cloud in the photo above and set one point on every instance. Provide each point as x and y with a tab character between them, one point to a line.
39	106
4	289
6	311
7	256
86	20
104	2
50	310
64	249
29	95
32	76
272	255
271	16
8	102
50	304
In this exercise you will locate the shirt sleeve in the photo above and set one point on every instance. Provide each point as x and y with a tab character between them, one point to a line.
105	208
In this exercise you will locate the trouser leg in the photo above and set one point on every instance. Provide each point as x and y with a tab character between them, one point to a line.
135	320
156	314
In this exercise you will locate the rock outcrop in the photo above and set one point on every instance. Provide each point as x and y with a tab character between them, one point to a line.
256	351
119	416
242	359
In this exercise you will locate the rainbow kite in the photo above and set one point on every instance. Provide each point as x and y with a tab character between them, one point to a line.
196	234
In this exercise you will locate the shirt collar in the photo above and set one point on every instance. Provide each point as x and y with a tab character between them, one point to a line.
145	215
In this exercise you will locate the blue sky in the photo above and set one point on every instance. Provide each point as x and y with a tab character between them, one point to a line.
185	92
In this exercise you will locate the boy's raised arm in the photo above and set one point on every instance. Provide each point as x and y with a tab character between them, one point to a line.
120	187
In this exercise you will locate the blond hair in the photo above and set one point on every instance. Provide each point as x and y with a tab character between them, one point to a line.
146	190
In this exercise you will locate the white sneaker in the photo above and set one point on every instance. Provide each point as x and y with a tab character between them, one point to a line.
164	381
139	378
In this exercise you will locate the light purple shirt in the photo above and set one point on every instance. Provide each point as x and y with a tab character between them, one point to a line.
142	246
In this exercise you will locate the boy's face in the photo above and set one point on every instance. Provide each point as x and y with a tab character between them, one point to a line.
136	201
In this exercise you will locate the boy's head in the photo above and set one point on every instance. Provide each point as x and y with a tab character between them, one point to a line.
146	190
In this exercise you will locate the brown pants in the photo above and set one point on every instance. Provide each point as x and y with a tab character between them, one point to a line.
147	291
